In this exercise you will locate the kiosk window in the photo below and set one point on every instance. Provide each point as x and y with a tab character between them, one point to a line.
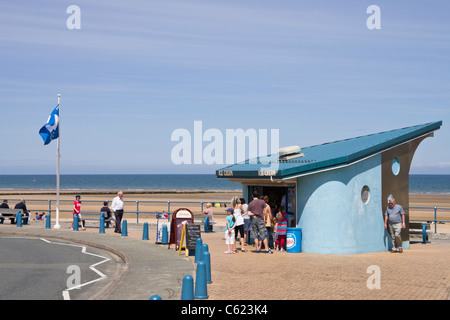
395	166
365	194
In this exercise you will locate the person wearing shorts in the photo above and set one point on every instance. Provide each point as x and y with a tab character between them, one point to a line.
258	231
77	211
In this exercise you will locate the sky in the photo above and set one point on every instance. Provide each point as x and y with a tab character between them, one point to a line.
136	71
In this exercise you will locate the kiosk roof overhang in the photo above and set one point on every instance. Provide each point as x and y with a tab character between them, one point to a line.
326	156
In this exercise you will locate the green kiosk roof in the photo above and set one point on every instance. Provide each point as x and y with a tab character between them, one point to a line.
325	156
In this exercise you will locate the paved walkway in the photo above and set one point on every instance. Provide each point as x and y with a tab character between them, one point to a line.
422	272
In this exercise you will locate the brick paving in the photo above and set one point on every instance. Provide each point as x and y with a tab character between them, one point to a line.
420	273
423	272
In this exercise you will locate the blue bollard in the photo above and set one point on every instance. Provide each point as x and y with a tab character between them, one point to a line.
205	248
164	236
145	231
75	223
187	291
48	222
207	261
155	297
124	228
201	290
102	223
18	219
424	234
198	250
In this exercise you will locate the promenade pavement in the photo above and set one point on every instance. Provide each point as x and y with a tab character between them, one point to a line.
146	268
420	273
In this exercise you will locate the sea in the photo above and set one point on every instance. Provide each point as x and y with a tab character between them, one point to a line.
129	182
418	183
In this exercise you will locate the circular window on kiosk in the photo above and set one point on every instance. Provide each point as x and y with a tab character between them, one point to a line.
365	194
395	166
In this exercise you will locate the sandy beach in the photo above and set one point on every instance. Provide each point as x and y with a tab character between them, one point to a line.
147	203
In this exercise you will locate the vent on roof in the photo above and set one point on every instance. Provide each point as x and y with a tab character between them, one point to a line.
288	153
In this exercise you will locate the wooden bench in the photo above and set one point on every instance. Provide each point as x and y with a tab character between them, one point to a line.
94	216
11	215
420	228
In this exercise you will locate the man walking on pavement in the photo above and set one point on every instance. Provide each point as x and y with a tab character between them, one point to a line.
395	218
117	208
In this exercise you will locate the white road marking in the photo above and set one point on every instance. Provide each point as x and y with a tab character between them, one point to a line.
65	293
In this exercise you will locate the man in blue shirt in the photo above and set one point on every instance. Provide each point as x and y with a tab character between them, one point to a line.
395	218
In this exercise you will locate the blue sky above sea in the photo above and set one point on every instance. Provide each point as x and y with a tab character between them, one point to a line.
138	70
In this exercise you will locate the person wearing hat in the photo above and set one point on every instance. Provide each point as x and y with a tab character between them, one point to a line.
77	211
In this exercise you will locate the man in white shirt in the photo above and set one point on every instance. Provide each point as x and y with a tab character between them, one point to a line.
117	208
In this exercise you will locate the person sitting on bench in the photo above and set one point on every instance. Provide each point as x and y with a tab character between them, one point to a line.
23	206
108	216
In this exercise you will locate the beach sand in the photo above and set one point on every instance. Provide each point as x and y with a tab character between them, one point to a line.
148	202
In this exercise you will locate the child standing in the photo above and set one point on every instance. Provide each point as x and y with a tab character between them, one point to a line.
281	229
229	230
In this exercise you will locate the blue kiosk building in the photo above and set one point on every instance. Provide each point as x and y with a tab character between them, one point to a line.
337	192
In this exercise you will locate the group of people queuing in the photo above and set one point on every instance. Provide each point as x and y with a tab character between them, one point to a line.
116	208
266	226
258	219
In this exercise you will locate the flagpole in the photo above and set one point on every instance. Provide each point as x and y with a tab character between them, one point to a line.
57	225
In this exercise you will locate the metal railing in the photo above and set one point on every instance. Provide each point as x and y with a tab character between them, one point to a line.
435	219
50	205
142	207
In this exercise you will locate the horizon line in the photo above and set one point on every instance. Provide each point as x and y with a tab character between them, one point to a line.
102	174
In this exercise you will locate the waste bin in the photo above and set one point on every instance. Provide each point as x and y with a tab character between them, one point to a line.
294	240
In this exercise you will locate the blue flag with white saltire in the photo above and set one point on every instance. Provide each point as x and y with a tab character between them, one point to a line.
50	131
